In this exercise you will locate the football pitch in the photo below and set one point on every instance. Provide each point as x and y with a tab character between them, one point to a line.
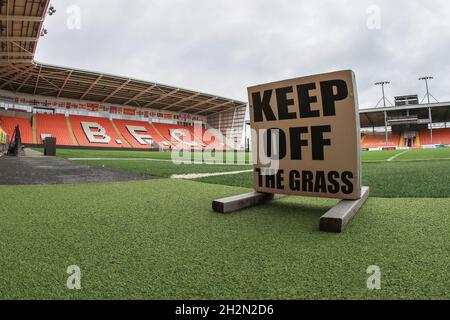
159	239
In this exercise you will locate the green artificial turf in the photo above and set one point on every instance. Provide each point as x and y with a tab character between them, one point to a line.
390	179
379	155
163	168
396	179
90	153
159	239
366	155
422	154
415	179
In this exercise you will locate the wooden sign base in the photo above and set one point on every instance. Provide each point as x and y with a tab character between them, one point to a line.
242	201
338	217
335	220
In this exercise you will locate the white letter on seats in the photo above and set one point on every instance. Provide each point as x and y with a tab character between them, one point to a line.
143	139
95	137
177	134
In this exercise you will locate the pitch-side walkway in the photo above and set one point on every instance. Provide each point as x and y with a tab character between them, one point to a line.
34	169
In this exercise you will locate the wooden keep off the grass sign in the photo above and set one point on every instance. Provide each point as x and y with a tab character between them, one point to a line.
306	142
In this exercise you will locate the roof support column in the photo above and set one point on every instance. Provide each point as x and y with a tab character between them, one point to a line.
386	128
431	124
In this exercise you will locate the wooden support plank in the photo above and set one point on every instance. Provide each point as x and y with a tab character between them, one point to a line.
242	201
337	218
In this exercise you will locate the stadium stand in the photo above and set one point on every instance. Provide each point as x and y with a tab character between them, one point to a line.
119	133
379	141
178	135
9	124
116	133
196	134
213	141
124	127
55	126
96	132
440	136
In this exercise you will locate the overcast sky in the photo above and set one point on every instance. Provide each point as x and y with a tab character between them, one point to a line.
223	46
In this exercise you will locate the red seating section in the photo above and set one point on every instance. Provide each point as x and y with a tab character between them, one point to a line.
379	141
164	129
105	123
9	125
213	141
197	134
55	125
440	136
122	126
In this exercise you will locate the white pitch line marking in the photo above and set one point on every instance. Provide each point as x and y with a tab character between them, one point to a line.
206	175
396	156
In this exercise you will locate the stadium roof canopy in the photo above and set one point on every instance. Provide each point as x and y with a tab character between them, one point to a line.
21	26
376	117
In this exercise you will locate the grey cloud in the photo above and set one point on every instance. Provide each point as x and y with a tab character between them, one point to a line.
222	46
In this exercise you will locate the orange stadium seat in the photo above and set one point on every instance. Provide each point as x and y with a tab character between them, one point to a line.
379	141
101	134
56	126
122	125
201	138
197	134
184	136
213	141
440	136
26	131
